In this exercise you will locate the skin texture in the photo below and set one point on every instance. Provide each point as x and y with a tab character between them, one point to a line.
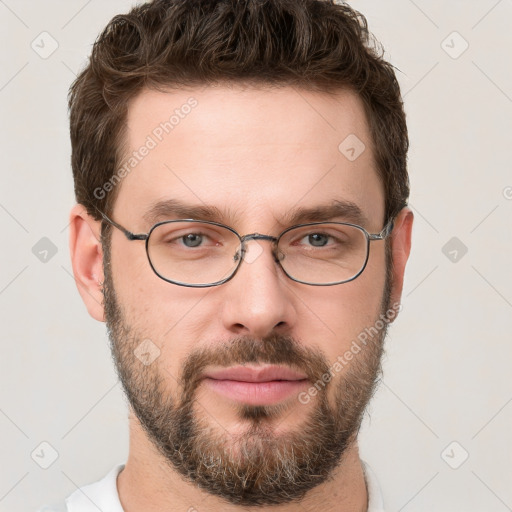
255	154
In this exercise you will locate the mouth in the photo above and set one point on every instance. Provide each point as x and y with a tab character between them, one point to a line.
256	385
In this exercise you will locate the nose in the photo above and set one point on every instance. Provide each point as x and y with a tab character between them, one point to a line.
258	300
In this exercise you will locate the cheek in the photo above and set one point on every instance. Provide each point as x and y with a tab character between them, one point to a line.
337	315
173	317
139	293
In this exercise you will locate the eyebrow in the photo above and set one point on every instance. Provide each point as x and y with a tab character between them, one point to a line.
169	209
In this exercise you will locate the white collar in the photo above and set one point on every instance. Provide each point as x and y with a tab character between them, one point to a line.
103	494
375	501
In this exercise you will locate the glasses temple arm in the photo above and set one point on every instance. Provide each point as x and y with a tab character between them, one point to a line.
386	231
128	234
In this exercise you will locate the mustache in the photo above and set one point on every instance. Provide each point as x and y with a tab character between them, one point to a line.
273	349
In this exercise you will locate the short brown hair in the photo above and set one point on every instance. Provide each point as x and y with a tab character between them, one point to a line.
310	44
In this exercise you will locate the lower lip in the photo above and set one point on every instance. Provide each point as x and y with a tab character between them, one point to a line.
257	393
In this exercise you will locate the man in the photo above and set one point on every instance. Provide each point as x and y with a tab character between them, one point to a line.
241	227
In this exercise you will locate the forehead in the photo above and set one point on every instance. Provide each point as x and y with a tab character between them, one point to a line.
252	153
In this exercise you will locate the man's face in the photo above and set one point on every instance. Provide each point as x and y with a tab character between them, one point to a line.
255	155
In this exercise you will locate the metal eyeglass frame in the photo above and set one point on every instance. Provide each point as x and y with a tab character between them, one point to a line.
370	237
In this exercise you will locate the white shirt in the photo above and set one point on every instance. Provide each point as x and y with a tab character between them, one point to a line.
102	495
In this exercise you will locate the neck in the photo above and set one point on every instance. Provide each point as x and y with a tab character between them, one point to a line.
148	483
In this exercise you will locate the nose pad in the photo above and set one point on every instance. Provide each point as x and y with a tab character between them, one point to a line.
250	255
279	255
241	253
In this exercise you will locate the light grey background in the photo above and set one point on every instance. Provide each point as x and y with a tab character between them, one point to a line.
447	371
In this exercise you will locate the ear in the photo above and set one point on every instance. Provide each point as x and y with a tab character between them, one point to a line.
400	248
87	259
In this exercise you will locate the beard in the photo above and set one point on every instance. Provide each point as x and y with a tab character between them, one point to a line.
258	465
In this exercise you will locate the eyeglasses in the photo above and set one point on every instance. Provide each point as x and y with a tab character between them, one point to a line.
198	253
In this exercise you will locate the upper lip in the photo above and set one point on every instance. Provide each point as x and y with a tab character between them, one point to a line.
255	373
